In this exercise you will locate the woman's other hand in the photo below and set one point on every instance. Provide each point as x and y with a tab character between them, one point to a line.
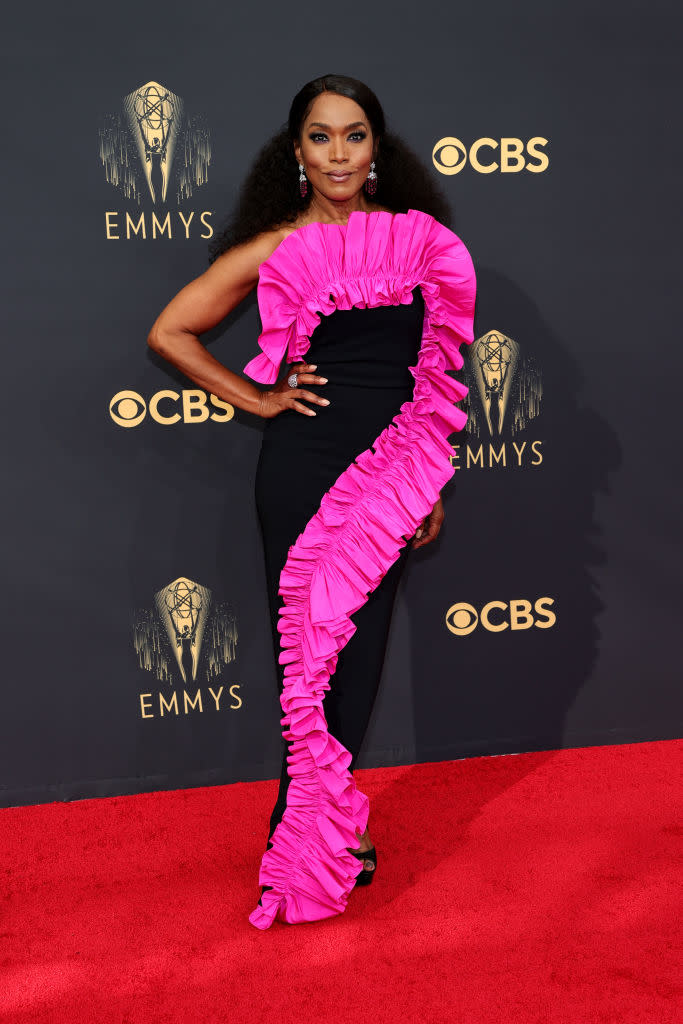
430	527
281	396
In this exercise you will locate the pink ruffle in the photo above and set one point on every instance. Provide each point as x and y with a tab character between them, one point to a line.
364	519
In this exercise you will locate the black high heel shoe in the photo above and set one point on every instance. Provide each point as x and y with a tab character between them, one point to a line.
263	889
365	876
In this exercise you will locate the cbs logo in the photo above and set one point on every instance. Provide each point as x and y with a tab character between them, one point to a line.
128	408
497	616
487	155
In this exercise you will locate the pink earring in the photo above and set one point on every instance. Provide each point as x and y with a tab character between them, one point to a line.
303	181
371	181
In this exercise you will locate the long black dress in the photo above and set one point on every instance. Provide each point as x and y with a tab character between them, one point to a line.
366	355
382	305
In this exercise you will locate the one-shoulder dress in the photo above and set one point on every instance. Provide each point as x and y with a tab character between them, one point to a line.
382	305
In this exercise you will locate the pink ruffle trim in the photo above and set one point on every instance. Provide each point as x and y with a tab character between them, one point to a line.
363	522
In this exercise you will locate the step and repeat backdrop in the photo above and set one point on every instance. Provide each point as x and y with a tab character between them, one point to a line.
547	613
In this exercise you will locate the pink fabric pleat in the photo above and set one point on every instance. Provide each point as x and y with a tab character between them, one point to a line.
363	521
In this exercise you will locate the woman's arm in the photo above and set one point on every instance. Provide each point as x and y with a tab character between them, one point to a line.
205	302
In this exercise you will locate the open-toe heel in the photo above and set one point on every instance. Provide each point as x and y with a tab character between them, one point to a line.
365	876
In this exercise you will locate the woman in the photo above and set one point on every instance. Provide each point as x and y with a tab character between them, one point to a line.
341	229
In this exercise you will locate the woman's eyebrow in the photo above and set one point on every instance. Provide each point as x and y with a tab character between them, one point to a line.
355	124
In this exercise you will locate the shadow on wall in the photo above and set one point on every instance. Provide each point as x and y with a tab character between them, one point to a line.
514	531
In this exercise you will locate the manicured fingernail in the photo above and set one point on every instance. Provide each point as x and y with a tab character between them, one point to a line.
313	367
323	380
312	412
325	401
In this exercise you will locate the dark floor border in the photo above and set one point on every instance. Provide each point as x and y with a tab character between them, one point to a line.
88	789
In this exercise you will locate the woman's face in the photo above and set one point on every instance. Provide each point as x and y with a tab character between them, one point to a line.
336	146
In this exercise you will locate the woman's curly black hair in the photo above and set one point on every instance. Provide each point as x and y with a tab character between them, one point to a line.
270	193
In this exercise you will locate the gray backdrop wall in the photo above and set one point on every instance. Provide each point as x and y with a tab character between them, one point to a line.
546	615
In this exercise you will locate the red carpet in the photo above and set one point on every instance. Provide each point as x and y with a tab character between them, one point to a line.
534	888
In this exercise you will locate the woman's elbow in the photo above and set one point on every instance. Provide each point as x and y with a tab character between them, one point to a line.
155	339
166	336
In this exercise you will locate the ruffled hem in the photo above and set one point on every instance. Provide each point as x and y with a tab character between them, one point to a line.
358	531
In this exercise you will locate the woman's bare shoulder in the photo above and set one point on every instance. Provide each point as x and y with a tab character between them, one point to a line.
261	246
243	260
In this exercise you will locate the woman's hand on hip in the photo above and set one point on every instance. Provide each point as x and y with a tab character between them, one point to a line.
281	396
431	524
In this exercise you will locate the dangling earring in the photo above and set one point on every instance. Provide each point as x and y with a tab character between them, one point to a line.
371	181
303	181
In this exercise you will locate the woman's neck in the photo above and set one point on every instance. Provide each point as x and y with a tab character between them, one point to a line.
328	211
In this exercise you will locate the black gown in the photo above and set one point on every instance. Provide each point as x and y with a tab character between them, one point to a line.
339	496
365	353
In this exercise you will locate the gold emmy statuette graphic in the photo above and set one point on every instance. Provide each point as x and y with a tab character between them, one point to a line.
184	624
507	384
494	360
154	114
183	607
141	147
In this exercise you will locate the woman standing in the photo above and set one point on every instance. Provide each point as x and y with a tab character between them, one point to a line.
356	272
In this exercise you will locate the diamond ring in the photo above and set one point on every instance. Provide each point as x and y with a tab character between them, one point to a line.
292	380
